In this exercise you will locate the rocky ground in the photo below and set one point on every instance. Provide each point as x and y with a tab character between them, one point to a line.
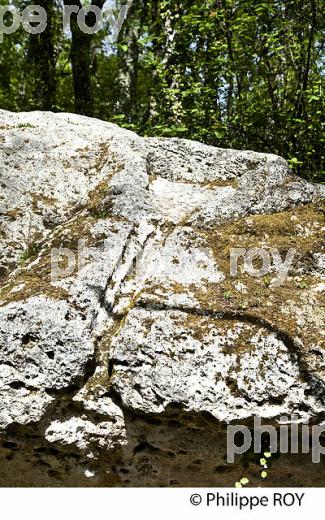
127	344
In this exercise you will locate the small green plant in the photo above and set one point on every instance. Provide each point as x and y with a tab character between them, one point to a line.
31	251
303	285
264	464
25	125
262	460
227	295
32	247
267	280
99	213
242	482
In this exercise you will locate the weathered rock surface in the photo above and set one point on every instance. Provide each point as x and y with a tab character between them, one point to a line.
127	368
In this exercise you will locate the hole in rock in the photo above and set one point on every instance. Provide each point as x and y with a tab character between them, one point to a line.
9	445
16	385
28	338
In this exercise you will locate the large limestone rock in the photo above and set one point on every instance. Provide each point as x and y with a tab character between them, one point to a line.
127	368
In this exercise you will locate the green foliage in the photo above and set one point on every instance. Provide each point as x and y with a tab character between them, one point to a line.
263	461
235	73
245	74
30	252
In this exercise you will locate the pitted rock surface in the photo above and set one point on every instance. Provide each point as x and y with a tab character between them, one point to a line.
127	368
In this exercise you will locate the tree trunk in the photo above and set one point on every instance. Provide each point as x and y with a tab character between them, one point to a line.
81	55
41	54
81	70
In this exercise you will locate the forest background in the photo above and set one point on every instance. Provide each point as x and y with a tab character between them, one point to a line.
243	74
